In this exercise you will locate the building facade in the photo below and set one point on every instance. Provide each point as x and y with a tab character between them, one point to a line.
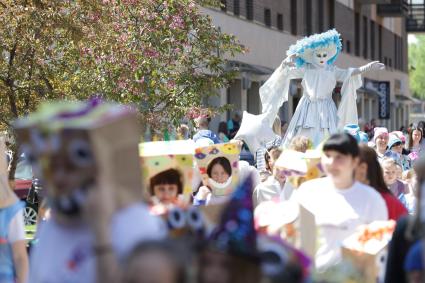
268	27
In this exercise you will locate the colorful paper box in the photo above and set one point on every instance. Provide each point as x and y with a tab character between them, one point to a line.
205	155
95	144
160	156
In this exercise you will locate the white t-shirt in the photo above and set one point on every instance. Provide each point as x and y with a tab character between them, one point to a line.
64	254
16	228
338	213
270	189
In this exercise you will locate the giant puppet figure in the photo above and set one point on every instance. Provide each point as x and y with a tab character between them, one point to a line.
312	60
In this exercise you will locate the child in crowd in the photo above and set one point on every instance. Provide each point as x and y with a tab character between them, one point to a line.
415	140
395	145
369	172
93	186
219	170
272	187
338	203
156	262
381	139
166	186
397	187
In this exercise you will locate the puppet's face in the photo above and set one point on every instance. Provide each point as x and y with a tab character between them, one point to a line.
321	57
65	162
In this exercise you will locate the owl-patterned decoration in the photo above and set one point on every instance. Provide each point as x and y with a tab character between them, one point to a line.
206	157
70	143
160	156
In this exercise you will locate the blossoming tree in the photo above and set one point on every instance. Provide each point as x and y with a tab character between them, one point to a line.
163	56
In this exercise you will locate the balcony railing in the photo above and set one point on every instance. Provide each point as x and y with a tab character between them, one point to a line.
415	19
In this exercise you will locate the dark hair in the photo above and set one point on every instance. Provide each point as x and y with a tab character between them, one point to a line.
222	128
342	143
170	249
223	161
170	176
415	128
374	169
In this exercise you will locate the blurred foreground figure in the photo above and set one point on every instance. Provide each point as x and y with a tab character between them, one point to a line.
13	253
87	156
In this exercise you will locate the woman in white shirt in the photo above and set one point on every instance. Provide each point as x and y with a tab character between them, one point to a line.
339	203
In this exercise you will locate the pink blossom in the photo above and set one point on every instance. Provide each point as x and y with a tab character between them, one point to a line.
177	22
151	53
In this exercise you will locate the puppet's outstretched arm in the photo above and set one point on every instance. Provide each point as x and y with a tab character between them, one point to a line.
372	66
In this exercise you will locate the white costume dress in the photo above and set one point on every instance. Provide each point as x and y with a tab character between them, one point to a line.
316	115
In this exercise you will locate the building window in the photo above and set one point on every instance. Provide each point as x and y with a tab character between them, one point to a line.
348	47
294	17
331	11
279	21
267	17
372	40
365	37
236	7
223	5
357	34
308	19
249	10
321	15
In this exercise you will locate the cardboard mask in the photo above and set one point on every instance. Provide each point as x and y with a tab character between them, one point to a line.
73	147
227	155
167	160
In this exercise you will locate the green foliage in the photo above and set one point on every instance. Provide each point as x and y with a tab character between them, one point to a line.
417	67
164	56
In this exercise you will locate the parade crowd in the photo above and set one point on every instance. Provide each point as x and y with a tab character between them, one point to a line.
324	198
276	222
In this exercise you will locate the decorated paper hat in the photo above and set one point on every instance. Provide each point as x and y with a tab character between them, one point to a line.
277	257
226	154
299	167
236	233
304	48
82	136
168	156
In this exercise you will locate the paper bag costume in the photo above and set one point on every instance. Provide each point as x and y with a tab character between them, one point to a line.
157	157
206	156
75	147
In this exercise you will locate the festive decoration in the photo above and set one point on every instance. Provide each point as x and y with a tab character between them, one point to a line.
304	48
73	147
236	233
300	167
312	60
255	131
205	155
157	157
366	249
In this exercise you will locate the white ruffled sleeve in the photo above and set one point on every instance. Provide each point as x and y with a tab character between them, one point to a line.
274	92
347	110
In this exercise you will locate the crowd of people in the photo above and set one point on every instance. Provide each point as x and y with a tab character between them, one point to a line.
286	219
